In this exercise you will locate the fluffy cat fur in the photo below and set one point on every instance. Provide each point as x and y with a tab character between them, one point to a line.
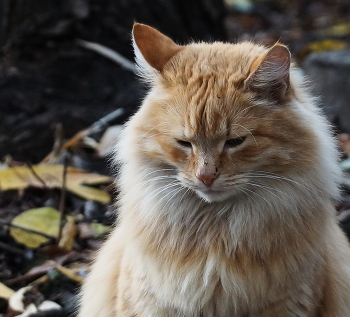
227	174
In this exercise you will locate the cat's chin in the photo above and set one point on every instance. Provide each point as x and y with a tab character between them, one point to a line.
211	196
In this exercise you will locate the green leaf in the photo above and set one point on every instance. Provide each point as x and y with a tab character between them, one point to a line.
45	220
99	229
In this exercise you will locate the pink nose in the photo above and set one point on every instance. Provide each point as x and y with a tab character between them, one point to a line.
208	180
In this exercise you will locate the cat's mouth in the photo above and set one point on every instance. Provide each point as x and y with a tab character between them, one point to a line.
212	195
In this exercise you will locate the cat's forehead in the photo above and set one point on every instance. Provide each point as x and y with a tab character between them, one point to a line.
205	115
206	59
203	89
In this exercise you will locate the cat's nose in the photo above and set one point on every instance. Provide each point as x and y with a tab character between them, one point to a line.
207	179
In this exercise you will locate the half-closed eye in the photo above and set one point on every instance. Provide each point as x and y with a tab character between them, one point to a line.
184	143
231	143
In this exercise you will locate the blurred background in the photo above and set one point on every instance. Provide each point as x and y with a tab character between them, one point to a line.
67	84
48	77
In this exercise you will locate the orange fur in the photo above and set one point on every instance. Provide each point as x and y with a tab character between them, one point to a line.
227	175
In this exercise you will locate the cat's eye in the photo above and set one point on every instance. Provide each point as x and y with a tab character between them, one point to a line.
184	143
231	143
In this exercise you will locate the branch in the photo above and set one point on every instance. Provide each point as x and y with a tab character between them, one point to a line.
62	200
5	223
30	166
11	249
108	53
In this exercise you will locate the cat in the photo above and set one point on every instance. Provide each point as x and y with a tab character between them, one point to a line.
228	171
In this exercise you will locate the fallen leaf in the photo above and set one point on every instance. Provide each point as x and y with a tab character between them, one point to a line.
339	29
320	46
31	308
109	140
85	231
92	230
51	176
45	220
344	142
89	193
48	305
68	233
53	251
16	300
5	292
99	229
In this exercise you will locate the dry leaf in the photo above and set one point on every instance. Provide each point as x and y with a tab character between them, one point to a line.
16	300
31	309
109	140
5	292
68	233
51	177
45	220
344	142
48	305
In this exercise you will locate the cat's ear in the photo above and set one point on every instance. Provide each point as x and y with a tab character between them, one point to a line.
152	49
269	73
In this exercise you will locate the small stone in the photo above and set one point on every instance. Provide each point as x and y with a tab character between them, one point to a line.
94	210
328	73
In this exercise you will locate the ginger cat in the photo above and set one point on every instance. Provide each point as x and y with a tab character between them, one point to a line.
228	170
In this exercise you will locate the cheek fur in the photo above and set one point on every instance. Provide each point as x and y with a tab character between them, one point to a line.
175	154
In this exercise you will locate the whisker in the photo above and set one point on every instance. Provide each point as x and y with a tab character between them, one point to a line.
268	175
162	189
251	191
267	189
155	171
245	109
243	190
263	174
157	178
256	143
177	190
162	123
188	189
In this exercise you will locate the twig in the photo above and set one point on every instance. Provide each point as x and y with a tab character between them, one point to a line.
27	229
53	156
62	199
30	166
97	127
108	53
11	249
58	143
104	122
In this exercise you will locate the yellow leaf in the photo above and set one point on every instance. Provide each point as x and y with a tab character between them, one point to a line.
89	193
68	233
45	220
320	46
5	292
340	29
51	176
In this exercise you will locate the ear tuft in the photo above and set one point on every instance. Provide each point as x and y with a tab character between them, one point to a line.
269	73
152	48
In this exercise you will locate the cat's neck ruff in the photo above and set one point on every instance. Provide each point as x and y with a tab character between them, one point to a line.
164	209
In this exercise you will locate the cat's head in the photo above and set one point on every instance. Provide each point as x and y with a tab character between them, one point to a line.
219	114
